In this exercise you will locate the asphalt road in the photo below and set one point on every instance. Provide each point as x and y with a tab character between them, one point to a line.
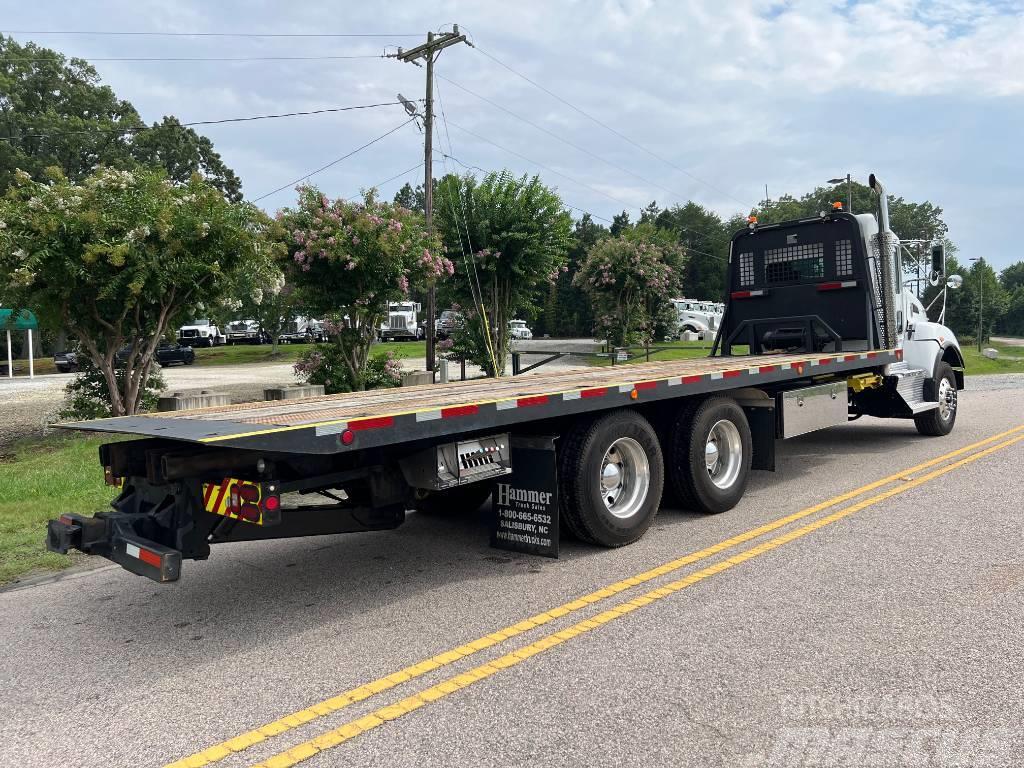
888	634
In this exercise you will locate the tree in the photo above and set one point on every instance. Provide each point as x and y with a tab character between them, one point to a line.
261	293
117	258
1012	280
706	239
55	112
181	152
414	199
567	311
630	281
620	223
350	259
519	232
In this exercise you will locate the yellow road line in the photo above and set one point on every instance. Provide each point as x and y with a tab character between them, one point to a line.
328	706
350	730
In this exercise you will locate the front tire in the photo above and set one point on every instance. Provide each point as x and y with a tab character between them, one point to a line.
939	421
710	451
611	475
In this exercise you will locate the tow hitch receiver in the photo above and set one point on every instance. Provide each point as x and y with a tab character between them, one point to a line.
112	537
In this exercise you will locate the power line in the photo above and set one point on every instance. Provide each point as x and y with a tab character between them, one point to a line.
118	33
575	146
546	168
333	162
63	59
609	128
251	118
380	184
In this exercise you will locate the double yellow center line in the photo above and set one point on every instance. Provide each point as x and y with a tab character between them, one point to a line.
411	703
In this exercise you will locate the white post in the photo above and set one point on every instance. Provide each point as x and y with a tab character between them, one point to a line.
10	363
31	365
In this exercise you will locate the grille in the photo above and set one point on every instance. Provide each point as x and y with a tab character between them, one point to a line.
746	269
397	322
189	334
794	263
844	258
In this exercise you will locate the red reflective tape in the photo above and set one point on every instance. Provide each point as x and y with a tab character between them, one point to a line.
730	374
825	361
740	295
829	286
207	493
151	558
850	358
899	354
67	520
220	496
645	385
872	355
524	402
691	379
595	392
766	369
361	424
460	410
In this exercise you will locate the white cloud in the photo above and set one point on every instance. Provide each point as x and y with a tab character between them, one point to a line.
739	93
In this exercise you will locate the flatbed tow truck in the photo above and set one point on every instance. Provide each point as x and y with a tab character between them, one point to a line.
817	331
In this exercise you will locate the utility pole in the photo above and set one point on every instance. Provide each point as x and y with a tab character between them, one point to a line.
429	52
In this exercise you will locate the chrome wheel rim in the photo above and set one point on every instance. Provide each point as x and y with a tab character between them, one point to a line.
625	478
947	399
723	454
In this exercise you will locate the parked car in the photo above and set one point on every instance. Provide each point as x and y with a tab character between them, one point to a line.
201	333
517	329
446	324
66	362
166	354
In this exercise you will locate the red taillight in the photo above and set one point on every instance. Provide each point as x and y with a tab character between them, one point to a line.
271	503
347	437
250	493
235	501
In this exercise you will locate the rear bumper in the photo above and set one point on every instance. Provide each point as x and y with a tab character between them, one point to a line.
112	536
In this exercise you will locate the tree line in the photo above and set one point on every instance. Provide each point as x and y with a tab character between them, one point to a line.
117	232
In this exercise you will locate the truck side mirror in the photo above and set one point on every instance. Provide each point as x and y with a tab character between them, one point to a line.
939	259
419	307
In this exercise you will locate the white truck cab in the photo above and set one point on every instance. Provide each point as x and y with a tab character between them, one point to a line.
403	322
201	333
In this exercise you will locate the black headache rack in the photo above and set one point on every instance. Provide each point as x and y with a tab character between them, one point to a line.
800	287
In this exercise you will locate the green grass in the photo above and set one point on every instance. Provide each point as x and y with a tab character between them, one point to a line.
243	354
676	350
976	364
40	479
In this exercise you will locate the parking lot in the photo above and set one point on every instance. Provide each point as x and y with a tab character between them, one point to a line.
860	607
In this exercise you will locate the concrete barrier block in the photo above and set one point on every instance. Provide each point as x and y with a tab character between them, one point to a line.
181	401
293	392
413	378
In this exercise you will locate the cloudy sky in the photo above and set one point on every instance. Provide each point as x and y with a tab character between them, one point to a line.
725	97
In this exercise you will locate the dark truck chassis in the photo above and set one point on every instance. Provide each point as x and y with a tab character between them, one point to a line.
372	469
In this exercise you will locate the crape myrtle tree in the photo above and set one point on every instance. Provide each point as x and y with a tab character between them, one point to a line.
117	258
512	235
349	260
630	280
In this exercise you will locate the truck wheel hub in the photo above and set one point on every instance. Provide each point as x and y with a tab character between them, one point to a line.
625	478
723	454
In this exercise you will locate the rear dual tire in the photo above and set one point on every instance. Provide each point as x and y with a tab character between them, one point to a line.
611	475
709	454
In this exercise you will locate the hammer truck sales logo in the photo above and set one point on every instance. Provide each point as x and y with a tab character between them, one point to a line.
507	495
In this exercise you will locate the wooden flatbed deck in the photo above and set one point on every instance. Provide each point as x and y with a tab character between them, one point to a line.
379	417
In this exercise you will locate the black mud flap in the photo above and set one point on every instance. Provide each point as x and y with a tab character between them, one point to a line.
526	502
111	536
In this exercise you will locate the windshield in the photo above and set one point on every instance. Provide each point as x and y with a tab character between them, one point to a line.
401	307
200	321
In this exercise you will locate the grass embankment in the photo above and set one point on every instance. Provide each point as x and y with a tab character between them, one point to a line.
40	479
1010	360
